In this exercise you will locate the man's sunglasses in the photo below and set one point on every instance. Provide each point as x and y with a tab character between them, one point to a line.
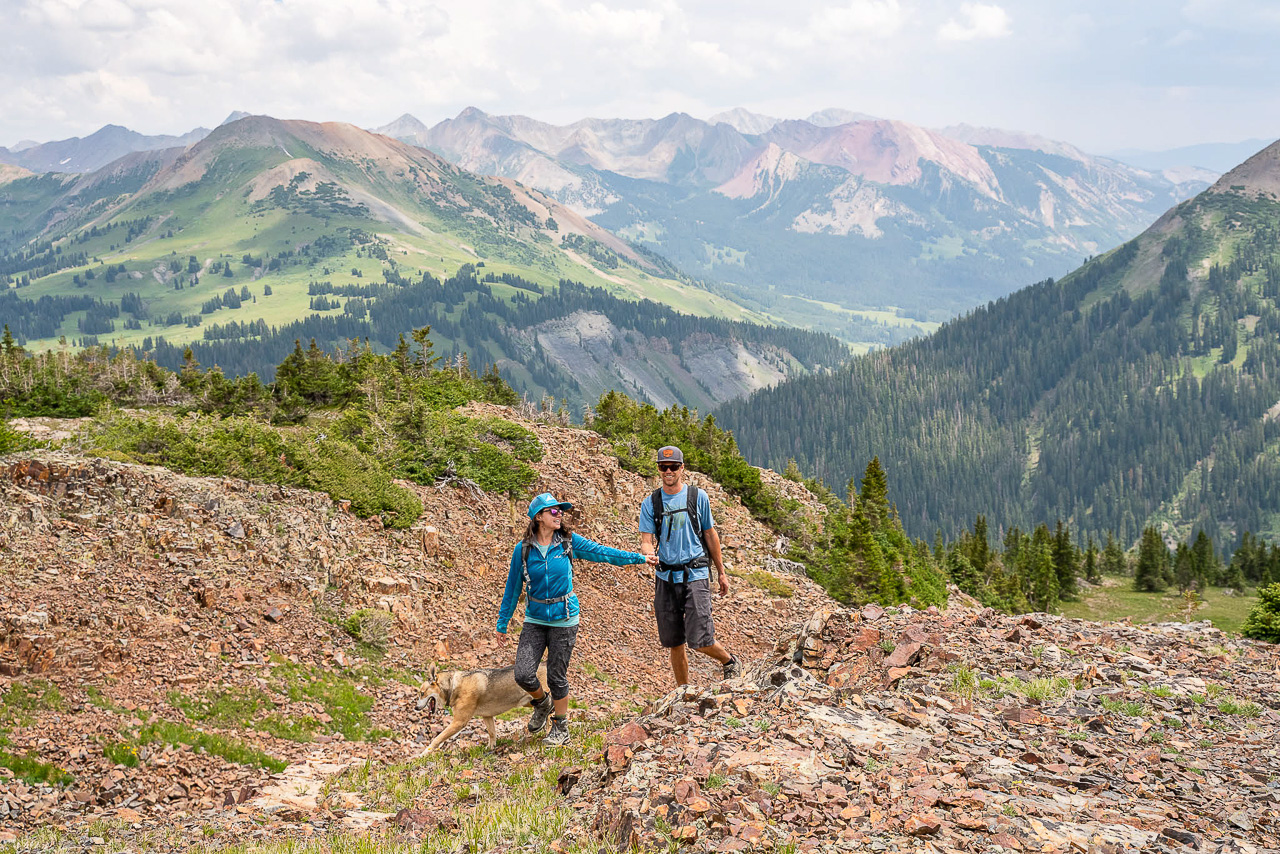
670	466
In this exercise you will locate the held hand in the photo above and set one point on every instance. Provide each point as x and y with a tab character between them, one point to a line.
724	584
652	560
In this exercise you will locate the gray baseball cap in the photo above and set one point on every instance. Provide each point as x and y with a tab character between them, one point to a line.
670	454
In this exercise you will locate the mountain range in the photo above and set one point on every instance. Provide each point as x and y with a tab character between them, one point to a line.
1143	388
840	212
94	151
871	229
267	231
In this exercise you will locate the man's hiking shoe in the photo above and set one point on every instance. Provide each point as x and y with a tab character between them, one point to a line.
731	669
559	732
541	711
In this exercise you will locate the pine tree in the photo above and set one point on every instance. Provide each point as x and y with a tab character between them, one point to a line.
1065	561
8	345
1040	573
1113	559
873	499
1184	568
1153	555
1092	566
1204	563
963	574
980	553
1263	622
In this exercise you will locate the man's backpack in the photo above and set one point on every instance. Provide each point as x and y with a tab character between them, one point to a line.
567	544
691	499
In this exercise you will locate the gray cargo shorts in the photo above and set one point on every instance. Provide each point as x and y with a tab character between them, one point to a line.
683	612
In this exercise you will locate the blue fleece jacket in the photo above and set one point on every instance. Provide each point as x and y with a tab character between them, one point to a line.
551	577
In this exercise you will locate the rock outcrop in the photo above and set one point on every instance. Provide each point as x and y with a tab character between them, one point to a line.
129	594
135	602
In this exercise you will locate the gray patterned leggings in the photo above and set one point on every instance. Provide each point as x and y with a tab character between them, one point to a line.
558	643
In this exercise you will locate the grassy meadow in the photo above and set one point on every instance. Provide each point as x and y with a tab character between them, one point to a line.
1117	600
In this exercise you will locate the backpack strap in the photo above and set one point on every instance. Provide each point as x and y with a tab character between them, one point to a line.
567	544
655	505
691	507
691	497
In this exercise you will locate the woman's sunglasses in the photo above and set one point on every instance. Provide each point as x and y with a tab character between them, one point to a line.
669	466
554	511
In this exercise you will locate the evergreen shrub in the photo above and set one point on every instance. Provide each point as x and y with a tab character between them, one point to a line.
240	447
1263	622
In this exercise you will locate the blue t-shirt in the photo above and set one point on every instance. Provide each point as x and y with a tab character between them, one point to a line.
678	543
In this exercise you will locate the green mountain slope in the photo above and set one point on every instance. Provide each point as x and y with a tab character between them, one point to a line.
265	228
1144	387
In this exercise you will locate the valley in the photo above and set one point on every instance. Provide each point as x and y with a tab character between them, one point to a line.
1138	390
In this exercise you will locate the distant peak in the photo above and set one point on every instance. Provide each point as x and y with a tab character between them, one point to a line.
405	125
836	116
473	114
744	121
236	115
1258	176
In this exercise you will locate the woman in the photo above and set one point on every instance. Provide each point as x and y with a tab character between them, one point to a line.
542	565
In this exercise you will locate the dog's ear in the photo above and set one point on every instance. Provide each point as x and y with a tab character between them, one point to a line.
432	673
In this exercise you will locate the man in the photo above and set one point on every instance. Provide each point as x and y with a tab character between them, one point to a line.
676	524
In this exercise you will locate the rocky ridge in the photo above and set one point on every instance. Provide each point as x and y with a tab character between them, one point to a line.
960	731
135	592
129	593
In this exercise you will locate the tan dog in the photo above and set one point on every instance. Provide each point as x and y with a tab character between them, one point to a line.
472	693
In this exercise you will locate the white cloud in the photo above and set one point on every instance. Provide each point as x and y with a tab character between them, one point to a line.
980	21
855	21
166	66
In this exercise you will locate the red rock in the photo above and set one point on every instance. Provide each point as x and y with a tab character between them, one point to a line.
698	804
1018	715
629	733
922	825
616	756
1005	840
685	790
904	654
866	638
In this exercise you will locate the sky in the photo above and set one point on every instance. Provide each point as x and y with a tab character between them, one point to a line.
1104	75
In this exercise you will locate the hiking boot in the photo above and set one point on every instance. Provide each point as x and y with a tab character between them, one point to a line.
732	669
541	711
559	732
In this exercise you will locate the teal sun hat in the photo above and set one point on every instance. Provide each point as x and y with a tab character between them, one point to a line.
545	500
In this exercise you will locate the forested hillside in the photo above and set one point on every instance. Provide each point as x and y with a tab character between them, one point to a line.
1144	388
503	321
